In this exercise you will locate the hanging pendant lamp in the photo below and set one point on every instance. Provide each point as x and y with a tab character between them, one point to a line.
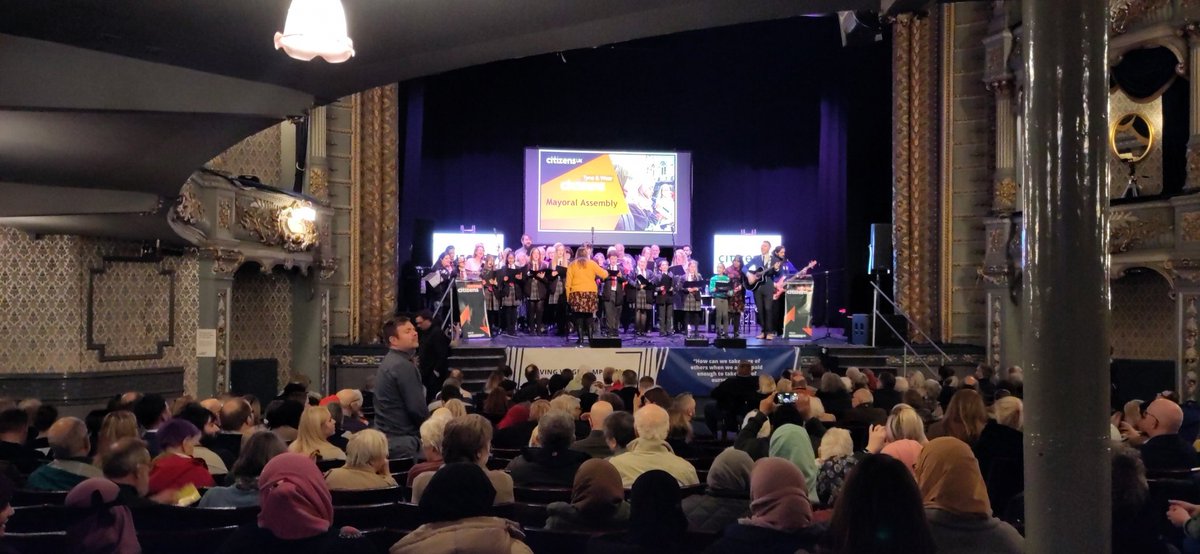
316	28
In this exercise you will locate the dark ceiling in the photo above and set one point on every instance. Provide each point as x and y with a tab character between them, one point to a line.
131	95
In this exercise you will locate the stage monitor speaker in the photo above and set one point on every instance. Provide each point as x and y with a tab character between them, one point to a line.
730	343
605	342
880	258
860	329
696	342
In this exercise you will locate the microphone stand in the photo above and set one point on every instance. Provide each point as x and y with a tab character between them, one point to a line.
826	273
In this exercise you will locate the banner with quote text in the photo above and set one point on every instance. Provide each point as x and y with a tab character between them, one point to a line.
698	370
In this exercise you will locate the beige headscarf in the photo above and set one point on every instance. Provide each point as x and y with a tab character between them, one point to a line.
949	478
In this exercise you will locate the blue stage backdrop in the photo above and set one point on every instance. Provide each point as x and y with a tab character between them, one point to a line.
698	370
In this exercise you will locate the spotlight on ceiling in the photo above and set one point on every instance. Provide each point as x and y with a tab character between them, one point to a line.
316	28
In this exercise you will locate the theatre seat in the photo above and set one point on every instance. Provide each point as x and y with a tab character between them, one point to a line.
547	541
326	465
529	515
541	495
170	518
389	515
367	496
701	464
690	490
27	497
384	538
497	464
40	519
184	541
506	453
398	465
37	542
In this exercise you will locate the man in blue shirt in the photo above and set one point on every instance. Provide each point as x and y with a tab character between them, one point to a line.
399	395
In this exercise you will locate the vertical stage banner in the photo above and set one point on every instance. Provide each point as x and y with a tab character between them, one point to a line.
797	309
699	370
472	314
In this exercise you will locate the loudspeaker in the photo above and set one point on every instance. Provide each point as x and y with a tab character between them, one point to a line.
880	251
605	342
860	332
696	342
730	343
860	329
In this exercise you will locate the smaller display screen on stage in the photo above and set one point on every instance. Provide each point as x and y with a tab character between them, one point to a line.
725	247
464	243
634	198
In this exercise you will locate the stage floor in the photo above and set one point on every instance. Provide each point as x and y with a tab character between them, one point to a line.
833	338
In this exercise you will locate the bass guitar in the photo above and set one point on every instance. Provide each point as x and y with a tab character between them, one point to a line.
779	289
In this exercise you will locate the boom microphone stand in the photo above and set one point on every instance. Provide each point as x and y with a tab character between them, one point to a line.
826	273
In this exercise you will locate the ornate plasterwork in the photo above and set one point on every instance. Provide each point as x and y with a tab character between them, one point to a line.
1124	14
225	262
1190	226
188	208
1191	358
995	330
1193	164
274	225
318	184
222	358
1126	230
324	355
1004	199
225	214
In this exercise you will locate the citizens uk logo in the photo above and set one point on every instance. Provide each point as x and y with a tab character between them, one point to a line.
559	160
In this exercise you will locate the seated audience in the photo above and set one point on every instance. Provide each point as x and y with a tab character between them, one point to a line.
834	395
654	395
351	402
1163	449
259	449
1137	515
656	520
863	410
514	432
366	464
629	389
457	506
114	427
7	489
965	418
14	431
176	467
553	463
619	432
956	500
69	444
681	412
1001	453
468	439
597	501
727	497
495	405
41	419
594	444
431	448
283	418
905	450
102	523
732	399
127	463
887	396
208	425
905	423
571	406
650	450
879	511
152	412
297	514
780	513
791	442
835	458
587	391
312	438
237	424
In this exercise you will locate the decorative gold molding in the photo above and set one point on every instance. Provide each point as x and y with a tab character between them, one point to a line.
1127	13
222	359
275	225
1190	226
995	329
318	184
946	235
225	262
1004	196
1192	180
1191	358
377	210
1126	230
188	208
323	364
355	212
225	214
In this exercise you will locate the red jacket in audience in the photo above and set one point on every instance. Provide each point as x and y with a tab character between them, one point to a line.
172	471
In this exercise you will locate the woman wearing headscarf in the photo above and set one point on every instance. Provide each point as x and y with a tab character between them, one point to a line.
905	450
101	525
879	512
597	501
515	429
727	497
780	514
175	467
956	501
792	443
656	520
457	504
297	514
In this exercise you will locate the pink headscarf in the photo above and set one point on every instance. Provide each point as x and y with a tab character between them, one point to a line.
105	527
519	413
907	451
295	501
778	496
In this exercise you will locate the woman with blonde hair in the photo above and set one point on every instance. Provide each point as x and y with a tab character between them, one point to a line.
836	458
366	464
766	385
681	412
312	438
455	407
116	426
582	293
905	423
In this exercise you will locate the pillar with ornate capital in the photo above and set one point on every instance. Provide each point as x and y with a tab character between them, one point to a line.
217	267
1192	183
1065	302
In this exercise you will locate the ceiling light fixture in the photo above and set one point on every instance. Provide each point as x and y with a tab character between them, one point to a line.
316	28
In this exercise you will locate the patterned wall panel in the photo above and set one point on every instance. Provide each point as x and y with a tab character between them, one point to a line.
41	308
1143	318
262	318
256	155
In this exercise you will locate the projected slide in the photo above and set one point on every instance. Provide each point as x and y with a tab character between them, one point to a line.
631	197
725	247
464	243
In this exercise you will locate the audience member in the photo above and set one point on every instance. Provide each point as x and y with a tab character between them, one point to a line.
431	448
656	519
400	403
237	419
791	442
176	467
650	450
834	395
514	432
69	445
297	514
101	523
780	513
312	440
727	496
985	375
468	439
260	448
14	432
956	500
862	416
1013	382
905	450
597	501
587	391
42	418
351	401
755	436
127	463
151	411
681	411
204	420
495	405
7	489
283	418
887	396
965	418
457	505
571	406
594	444
629	389
1001	452
733	398
1163	449
366	464
836	458
619	432
904	423
1137	515
654	395
879	512
115	426
553	464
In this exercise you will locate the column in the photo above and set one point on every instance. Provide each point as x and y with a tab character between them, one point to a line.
216	300
310	328
1066	289
1005	190
1192	181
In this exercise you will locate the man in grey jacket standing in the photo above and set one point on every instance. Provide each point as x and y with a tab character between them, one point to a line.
399	395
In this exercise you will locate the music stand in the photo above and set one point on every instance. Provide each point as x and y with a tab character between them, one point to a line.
828	334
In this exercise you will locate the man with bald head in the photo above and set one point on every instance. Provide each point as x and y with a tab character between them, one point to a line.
594	444
1163	449
650	450
69	444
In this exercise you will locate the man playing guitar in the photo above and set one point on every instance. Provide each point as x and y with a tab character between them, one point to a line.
765	276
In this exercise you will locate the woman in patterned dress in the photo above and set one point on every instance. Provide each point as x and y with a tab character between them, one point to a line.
643	295
582	291
737	295
687	300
